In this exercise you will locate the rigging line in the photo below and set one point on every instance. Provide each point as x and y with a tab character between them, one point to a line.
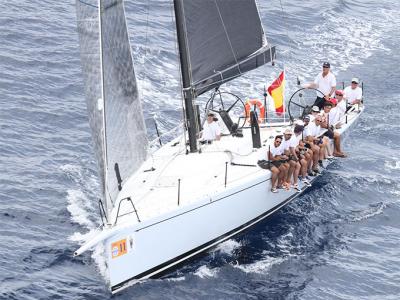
285	24
88	4
262	26
100	7
146	48
227	36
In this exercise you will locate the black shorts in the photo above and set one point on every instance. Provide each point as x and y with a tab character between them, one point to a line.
329	133
276	163
264	164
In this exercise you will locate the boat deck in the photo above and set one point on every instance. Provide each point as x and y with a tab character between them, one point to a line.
170	175
171	179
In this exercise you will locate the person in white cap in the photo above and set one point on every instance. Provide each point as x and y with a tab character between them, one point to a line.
303	154
278	169
314	112
353	93
211	130
325	82
289	145
340	107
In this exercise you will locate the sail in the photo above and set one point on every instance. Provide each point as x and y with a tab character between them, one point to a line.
219	40
114	109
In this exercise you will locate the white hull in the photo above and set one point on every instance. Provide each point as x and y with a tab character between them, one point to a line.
163	237
160	245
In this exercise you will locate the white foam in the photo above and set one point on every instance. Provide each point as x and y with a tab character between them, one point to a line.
81	209
392	165
99	257
262	266
369	213
228	246
78	205
181	278
206	272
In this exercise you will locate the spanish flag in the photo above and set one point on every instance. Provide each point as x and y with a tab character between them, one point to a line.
277	90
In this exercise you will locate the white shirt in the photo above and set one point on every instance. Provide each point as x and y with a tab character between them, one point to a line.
286	144
341	108
210	131
294	140
298	138
334	116
276	150
352	94
325	84
312	130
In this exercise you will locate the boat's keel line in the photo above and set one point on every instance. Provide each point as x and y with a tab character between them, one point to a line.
173	262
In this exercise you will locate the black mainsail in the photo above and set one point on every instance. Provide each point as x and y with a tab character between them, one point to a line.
218	41
115	112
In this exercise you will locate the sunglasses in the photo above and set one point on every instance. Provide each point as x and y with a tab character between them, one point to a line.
354	82
278	142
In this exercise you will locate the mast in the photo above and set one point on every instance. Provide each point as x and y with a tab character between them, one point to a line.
187	89
108	205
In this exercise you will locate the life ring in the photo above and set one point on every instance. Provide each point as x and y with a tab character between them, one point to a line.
251	102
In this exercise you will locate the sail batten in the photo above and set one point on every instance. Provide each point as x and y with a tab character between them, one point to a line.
117	124
223	39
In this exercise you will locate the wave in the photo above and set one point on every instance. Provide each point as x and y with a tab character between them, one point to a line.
373	210
82	210
392	165
228	247
206	272
261	266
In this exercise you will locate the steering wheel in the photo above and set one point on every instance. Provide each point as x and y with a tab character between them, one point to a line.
218	105
301	102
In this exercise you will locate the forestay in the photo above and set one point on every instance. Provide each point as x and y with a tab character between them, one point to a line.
221	40
123	140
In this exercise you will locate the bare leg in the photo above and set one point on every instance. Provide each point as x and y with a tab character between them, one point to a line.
316	149
282	172
296	172
274	176
304	164
309	157
292	165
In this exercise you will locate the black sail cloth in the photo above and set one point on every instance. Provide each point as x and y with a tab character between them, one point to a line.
221	39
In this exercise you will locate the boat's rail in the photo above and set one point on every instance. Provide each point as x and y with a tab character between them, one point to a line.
128	199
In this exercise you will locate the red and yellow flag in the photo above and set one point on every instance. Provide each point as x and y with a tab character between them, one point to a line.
277	90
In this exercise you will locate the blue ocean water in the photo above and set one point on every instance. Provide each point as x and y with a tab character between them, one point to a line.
340	240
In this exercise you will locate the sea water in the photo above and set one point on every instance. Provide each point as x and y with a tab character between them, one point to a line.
339	240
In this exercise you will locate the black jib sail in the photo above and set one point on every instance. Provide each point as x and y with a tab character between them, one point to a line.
219	40
115	112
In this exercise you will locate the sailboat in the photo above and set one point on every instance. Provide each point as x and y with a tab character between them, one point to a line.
160	208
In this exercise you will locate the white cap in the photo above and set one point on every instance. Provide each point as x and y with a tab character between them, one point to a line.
315	108
355	79
288	131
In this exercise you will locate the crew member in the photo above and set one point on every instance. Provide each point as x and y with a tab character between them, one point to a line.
211	130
